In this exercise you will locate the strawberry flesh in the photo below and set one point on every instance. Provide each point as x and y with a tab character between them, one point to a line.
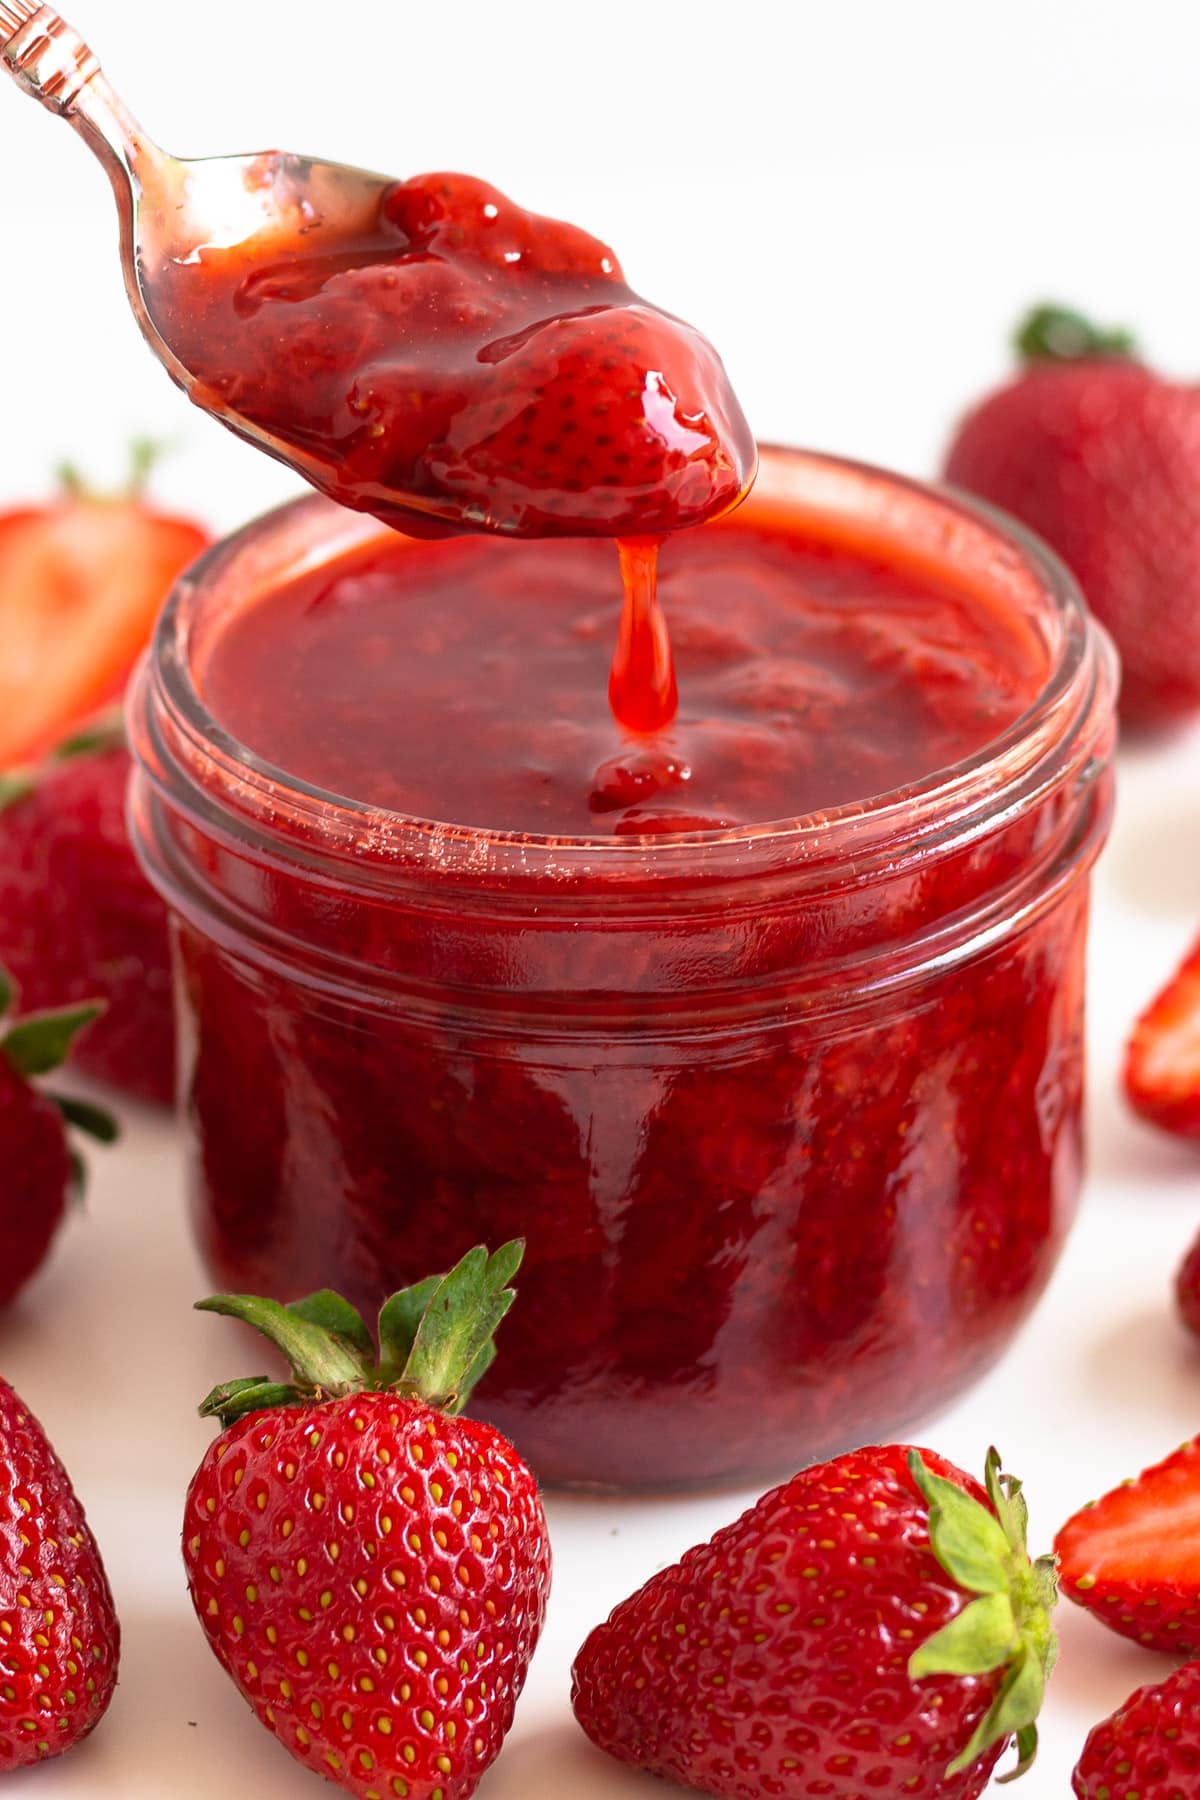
81	582
1162	1061
1132	1558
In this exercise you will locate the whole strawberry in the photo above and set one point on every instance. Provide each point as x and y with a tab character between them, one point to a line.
59	1638
77	916
874	1626
1130	1557
371	1569
40	1167
1149	1749
1101	456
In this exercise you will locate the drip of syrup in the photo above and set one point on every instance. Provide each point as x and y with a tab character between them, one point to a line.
641	684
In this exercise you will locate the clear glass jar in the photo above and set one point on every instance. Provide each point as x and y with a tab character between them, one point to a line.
789	1115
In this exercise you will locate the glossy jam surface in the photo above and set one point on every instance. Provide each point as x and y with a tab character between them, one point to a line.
469	682
790	1121
451	361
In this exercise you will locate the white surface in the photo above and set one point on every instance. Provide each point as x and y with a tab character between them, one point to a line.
855	204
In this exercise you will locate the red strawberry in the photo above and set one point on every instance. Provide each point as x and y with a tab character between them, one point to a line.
371	1569
1149	1749
77	916
59	1638
1162	1060
38	1164
874	1626
1187	1288
1101	456
672	446
81	581
1131	1558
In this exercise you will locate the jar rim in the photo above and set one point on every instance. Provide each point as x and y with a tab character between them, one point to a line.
1034	751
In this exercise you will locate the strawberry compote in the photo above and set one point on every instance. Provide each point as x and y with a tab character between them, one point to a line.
468	682
764	1029
438	356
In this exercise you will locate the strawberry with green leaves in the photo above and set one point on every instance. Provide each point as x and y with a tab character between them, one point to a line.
371	1568
59	1638
40	1166
873	1626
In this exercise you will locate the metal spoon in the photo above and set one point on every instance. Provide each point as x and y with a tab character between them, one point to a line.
172	208
483	454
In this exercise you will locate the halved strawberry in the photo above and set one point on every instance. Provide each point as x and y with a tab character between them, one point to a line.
1133	1557
1162	1061
81	581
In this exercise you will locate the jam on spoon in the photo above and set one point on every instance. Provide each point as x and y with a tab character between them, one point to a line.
424	350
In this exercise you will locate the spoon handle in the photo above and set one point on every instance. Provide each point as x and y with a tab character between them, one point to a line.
44	55
49	60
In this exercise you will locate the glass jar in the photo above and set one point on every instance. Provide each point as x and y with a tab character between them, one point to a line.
789	1115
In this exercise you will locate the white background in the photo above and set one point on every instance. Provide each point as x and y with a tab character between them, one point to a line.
855	201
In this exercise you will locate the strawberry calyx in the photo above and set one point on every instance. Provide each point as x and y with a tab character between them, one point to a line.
103	733
433	1340
1008	1626
37	1044
1051	333
144	455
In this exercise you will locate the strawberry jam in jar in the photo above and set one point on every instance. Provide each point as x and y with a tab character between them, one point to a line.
764	1029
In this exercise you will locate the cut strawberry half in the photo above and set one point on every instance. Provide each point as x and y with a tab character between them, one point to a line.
1162	1062
81	581
1133	1557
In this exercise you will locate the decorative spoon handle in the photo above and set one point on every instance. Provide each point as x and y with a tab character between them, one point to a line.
48	59
45	55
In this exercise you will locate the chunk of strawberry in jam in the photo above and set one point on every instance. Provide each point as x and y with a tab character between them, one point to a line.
636	776
448	215
464	364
